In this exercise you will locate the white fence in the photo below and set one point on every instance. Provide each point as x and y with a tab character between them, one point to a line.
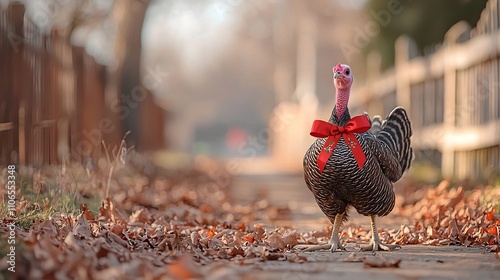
452	97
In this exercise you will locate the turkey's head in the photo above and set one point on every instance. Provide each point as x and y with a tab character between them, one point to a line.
342	76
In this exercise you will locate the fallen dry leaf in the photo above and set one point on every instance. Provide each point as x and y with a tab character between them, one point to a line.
86	212
184	268
353	258
379	261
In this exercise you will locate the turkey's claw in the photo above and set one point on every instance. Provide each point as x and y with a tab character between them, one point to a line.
334	242
335	246
375	244
379	246
332	247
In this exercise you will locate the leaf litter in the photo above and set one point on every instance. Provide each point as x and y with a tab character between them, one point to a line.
160	227
183	225
447	215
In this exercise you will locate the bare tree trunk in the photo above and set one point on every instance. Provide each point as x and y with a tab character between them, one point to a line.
283	27
306	56
126	89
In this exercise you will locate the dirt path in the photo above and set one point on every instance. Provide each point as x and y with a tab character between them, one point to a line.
417	261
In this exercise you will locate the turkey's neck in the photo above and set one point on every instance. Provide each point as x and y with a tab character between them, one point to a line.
342	100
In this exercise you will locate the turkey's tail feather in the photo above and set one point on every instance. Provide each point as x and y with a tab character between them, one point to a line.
376	125
396	131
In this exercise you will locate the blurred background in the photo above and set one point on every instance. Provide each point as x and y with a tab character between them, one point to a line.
242	81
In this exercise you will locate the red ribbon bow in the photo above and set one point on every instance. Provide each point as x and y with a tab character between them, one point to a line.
322	129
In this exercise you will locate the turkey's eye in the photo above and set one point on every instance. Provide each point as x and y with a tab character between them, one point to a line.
347	72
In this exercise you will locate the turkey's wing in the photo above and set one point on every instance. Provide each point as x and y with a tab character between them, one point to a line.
386	159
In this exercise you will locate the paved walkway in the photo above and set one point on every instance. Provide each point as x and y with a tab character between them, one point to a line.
291	191
417	261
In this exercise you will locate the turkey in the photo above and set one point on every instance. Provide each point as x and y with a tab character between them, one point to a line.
347	178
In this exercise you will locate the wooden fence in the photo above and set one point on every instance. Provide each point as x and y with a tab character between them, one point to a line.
53	103
452	95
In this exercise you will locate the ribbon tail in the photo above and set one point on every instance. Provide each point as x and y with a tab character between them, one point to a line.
327	151
361	159
321	163
356	149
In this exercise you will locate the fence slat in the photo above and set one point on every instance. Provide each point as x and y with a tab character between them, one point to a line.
471	67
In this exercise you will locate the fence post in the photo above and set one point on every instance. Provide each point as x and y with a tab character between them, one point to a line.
405	49
459	32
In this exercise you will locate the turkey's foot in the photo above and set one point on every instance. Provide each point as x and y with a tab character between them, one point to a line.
375	244
334	242
332	247
379	246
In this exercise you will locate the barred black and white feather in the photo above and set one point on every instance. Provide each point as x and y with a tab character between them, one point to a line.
396	131
376	125
369	190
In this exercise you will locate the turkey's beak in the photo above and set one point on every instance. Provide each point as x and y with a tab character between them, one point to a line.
336	75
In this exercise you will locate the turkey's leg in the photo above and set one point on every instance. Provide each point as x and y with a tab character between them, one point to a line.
334	242
375	244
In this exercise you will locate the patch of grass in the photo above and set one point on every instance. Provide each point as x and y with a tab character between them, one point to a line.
41	194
